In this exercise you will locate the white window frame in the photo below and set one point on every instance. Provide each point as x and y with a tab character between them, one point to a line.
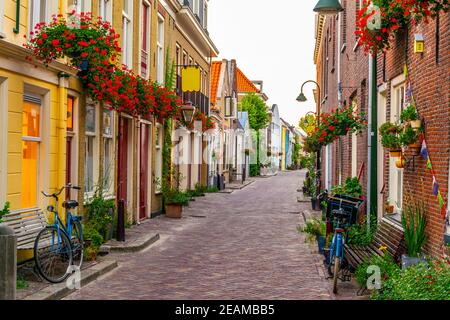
2	18
196	7
159	141
160	50
75	141
3	138
111	166
205	14
95	152
398	98
147	52
43	158
80	6
127	33
34	19
105	10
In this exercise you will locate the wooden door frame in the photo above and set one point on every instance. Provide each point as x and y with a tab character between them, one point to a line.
149	171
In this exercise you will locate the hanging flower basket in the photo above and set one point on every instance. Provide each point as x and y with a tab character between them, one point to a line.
415	148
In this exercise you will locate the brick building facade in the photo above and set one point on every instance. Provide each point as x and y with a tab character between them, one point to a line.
343	75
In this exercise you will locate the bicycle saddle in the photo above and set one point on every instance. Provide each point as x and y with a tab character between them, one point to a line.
70	204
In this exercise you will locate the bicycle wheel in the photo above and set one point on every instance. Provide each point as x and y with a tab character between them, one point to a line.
337	265
77	244
53	254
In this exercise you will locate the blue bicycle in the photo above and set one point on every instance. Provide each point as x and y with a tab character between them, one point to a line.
336	257
59	248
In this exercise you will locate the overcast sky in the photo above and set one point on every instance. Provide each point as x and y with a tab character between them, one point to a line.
272	41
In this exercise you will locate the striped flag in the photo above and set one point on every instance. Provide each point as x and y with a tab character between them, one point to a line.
424	150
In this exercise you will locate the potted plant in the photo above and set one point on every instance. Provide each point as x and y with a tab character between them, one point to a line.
410	138
174	200
389	208
414	224
315	229
410	116
390	138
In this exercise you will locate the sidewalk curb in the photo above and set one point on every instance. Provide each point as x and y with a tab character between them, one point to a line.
60	290
139	246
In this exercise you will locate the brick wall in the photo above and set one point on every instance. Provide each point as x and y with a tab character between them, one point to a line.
430	81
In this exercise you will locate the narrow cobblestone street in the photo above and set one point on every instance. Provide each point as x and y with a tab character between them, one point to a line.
242	245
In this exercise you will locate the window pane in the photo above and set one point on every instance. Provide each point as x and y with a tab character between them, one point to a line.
90	118
89	171
70	102
107	165
107	122
30	156
31	119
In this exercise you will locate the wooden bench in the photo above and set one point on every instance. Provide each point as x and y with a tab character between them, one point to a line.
386	235
26	226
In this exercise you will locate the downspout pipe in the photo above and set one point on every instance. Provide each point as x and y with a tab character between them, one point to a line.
372	128
339	79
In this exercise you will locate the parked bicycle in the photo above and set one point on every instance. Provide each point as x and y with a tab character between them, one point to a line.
336	260
59	248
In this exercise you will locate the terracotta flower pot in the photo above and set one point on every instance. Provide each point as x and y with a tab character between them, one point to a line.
415	148
416	124
389	209
174	211
395	153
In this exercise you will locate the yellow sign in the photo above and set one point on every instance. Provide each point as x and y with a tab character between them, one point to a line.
190	79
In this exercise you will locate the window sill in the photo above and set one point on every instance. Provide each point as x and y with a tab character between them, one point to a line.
388	218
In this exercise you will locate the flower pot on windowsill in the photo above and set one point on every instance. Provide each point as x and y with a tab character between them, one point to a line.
395	152
408	261
315	204
389	209
416	124
174	211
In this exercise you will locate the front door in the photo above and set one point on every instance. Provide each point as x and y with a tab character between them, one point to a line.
122	175
144	170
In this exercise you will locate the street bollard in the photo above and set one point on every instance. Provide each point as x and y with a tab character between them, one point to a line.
121	222
8	263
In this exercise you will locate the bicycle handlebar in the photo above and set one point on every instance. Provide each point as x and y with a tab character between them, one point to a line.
56	194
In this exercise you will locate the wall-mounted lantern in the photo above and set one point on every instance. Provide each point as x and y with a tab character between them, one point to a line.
188	113
419	43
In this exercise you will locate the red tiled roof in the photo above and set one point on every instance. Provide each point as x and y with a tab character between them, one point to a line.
215	78
244	85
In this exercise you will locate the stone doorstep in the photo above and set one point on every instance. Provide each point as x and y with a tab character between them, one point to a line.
135	246
302	198
240	186
60	290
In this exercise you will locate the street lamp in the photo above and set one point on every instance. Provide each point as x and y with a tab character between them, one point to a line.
188	112
302	98
328	7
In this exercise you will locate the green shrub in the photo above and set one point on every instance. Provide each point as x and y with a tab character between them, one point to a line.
4	211
212	190
254	170
409	113
173	196
100	213
387	266
313	228
408	136
351	188
91	235
418	282
414	224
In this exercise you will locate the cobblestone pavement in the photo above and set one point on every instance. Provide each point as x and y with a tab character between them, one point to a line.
242	245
